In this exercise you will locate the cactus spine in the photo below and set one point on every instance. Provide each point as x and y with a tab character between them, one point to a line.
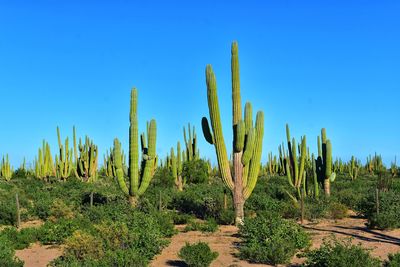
139	180
6	170
247	141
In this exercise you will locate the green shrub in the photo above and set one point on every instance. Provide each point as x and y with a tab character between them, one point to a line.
82	246
271	239
209	226
7	254
337	211
197	255
335	253
195	171
19	239
7	211
57	232
393	261
226	217
179	218
389	210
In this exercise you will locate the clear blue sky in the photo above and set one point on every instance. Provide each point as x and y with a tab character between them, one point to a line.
313	64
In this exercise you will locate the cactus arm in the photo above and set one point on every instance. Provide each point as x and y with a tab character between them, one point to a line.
118	167
256	159
219	143
207	131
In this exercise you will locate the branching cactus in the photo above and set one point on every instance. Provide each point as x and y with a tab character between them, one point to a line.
6	170
192	152
247	139
86	163
295	167
139	179
64	164
324	163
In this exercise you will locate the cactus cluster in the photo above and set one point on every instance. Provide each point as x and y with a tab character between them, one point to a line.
64	163
139	179
175	164
109	163
6	170
353	168
87	161
247	138
43	164
191	152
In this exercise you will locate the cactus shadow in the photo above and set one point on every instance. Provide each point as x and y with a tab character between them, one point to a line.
176	263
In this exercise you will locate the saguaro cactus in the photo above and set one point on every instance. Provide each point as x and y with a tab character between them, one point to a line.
44	166
139	180
86	163
176	166
353	168
247	138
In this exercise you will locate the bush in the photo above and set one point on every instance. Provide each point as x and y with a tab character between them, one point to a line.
57	232
389	210
337	211
210	226
197	255
19	239
82	245
271	239
334	253
393	261
7	254
195	171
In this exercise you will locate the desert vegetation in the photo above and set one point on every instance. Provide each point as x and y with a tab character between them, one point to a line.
124	211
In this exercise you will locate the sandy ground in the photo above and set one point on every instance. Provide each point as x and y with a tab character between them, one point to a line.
225	241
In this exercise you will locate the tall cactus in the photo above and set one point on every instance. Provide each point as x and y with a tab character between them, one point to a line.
353	168
86	162
247	138
6	170
139	180
295	168
64	164
176	167
324	162
44	166
192	152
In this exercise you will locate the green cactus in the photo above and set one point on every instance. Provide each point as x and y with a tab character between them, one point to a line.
353	168
109	163
192	152
393	168
64	164
139	180
247	143
86	161
295	167
324	163
176	166
6	170
44	166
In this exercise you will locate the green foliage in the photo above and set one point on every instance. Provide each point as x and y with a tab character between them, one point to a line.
19	239
393	261
389	210
197	255
209	226
7	254
56	232
335	253
271	239
163	177
195	171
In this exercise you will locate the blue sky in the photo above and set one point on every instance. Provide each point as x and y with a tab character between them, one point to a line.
313	64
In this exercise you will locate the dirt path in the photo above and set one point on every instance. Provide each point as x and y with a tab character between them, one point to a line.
225	242
37	255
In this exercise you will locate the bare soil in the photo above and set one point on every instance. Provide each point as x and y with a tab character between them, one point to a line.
225	242
38	256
